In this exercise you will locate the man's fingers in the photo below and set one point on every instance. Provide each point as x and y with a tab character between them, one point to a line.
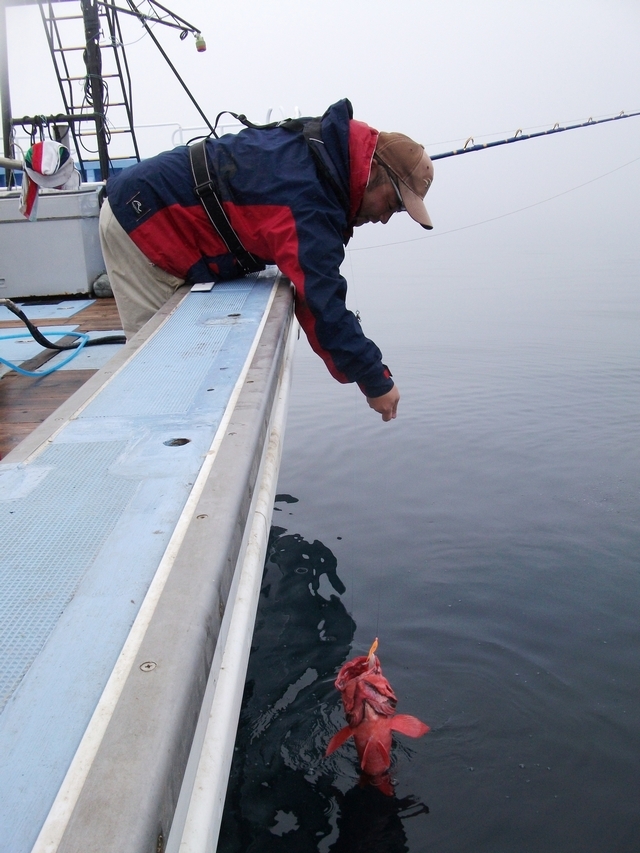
386	405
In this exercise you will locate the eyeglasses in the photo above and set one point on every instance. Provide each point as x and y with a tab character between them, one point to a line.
394	184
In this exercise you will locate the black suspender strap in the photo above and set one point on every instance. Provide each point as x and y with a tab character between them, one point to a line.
206	191
312	132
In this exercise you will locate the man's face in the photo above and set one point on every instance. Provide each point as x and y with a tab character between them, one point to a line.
378	204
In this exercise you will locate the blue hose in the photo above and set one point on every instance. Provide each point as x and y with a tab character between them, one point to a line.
72	354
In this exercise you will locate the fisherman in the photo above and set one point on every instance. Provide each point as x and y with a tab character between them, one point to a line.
289	195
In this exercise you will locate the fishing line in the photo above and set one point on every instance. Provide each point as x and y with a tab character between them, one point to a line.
500	216
352	598
354	289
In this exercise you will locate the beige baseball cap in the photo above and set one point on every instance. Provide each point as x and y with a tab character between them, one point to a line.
413	168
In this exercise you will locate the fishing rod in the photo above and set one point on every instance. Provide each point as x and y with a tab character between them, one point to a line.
519	136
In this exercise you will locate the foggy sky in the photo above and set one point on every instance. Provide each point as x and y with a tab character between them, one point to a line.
438	72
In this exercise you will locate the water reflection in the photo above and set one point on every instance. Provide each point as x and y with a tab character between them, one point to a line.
371	822
283	795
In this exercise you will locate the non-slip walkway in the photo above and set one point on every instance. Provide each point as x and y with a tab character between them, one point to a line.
88	508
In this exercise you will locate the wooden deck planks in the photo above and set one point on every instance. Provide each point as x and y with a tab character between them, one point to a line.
102	315
26	401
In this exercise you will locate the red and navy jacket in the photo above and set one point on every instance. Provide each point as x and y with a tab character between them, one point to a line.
284	212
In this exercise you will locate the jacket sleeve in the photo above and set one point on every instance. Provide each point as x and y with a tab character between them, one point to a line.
308	248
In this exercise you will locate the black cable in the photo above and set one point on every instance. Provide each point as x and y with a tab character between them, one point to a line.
37	335
143	21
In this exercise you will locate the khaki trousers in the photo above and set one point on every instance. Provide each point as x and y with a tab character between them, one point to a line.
140	287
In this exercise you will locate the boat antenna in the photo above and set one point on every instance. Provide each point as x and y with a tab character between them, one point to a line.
169	19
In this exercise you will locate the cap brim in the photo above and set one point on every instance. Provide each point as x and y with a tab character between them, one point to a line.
56	180
415	206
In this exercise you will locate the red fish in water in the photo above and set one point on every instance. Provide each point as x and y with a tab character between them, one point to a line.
370	708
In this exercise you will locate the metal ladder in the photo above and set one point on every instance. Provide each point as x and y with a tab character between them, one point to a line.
91	66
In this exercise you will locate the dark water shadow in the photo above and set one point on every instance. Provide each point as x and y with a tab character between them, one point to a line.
371	822
283	795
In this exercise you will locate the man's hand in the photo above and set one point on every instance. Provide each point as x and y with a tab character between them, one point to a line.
387	405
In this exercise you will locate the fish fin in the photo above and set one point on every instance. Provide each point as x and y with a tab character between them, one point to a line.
408	725
338	739
374	749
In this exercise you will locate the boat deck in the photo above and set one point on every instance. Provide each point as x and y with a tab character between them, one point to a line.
126	519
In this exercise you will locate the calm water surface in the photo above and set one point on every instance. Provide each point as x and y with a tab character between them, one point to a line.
489	537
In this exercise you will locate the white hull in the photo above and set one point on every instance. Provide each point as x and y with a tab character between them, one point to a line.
58	253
